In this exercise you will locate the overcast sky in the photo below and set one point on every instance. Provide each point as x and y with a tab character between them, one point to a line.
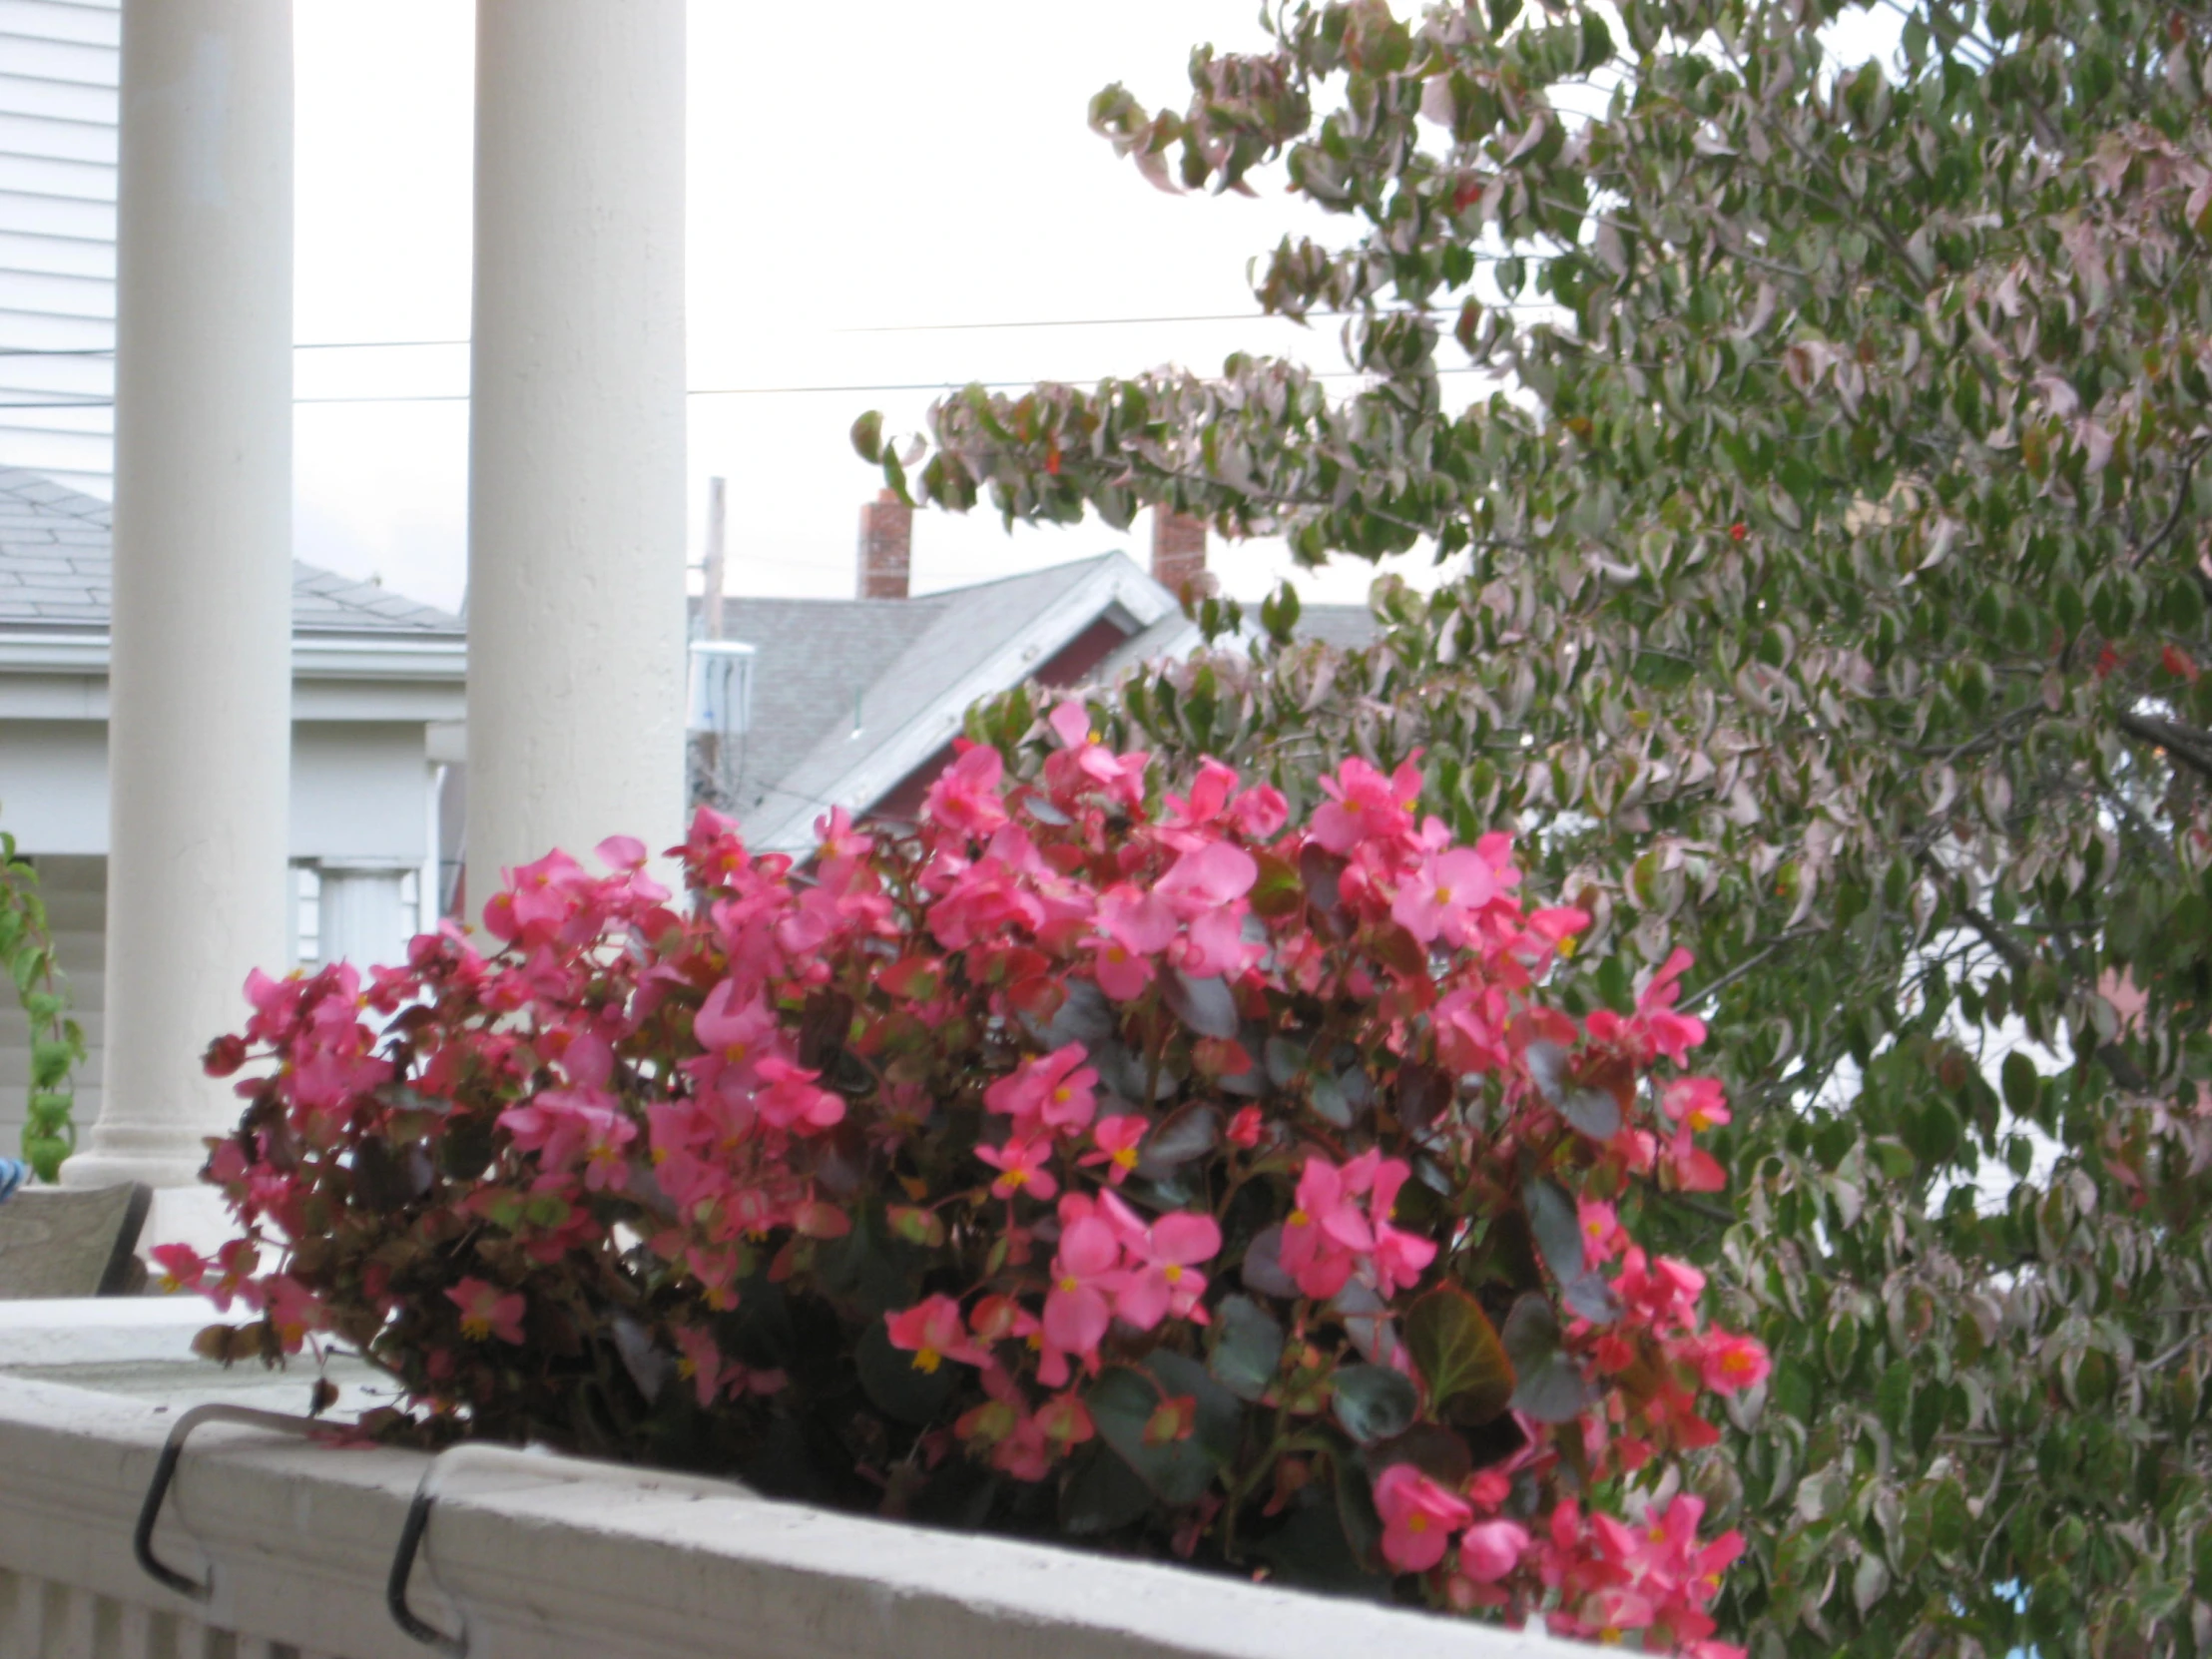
860	181
867	182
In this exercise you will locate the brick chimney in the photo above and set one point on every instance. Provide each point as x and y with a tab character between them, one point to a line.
886	547
1178	549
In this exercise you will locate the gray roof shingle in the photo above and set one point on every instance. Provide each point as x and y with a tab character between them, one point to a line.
823	666
57	571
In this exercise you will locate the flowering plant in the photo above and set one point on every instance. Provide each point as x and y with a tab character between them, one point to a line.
1083	1160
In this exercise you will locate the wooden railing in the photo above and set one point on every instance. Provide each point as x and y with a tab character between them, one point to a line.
287	1549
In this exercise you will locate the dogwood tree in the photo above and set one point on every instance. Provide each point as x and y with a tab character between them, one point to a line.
1825	584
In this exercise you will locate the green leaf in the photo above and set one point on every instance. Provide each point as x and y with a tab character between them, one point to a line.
1460	1355
1372	1402
896	1381
1121	1403
1549	1385
1248	1347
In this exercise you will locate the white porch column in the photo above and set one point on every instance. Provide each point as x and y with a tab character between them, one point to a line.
200	689
575	443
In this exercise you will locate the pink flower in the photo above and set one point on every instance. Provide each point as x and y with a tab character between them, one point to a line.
1021	1166
487	1312
1055	1090
183	1268
1323	1233
1490	1549
1208	878
934	1332
965	794
1672	1034
1696	1103
792	1101
1602	1234
1419	1518
1364	806
1116	1140
1728	1364
1445	897
1244	1129
1134	927
1086	1274
1166	1254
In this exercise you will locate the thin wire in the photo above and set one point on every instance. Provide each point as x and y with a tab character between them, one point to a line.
733	392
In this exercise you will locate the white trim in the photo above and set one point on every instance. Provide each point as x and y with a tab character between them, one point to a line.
558	1559
313	656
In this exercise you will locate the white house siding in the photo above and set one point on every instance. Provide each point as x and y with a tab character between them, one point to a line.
58	73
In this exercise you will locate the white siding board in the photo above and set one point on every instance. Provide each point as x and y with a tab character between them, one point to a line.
59	176
76	63
55	215
42	254
64	99
69	141
96	24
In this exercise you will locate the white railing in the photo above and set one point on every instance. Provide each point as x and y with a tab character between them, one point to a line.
553	1558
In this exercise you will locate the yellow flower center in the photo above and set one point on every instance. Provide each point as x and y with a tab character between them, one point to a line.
1172	1273
1443	896
928	1359
1071	1285
1299	1218
1416	1523
476	1326
1126	1157
736	1052
1016	1177
1060	1095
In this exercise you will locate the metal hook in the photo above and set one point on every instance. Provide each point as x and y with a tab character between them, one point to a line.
418	1524
165	1470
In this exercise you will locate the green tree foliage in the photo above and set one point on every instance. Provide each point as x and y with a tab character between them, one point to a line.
1825	592
57	1045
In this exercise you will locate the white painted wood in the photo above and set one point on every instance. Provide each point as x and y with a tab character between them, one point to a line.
555	1558
576	435
199	682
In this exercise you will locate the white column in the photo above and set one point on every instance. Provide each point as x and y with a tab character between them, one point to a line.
200	687
575	443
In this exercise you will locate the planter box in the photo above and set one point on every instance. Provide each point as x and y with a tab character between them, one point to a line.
548	1557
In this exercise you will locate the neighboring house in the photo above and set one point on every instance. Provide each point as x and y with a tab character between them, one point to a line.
59	66
372	674
854	702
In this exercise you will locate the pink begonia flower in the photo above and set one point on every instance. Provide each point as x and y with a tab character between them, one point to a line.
559	1125
1021	1166
1445	897
1696	1103
1490	1549
1728	1364
1164	1257
1086	1274
1055	1090
1134	927
1602	1233
294	1310
702	1364
1364	806
1672	1034
1116	1140
1208	878
1400	1256
1419	1518
1216	945
1315	1251
486	1311
792	1101
183	1268
1245	1128
965	794
621	853
934	1332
